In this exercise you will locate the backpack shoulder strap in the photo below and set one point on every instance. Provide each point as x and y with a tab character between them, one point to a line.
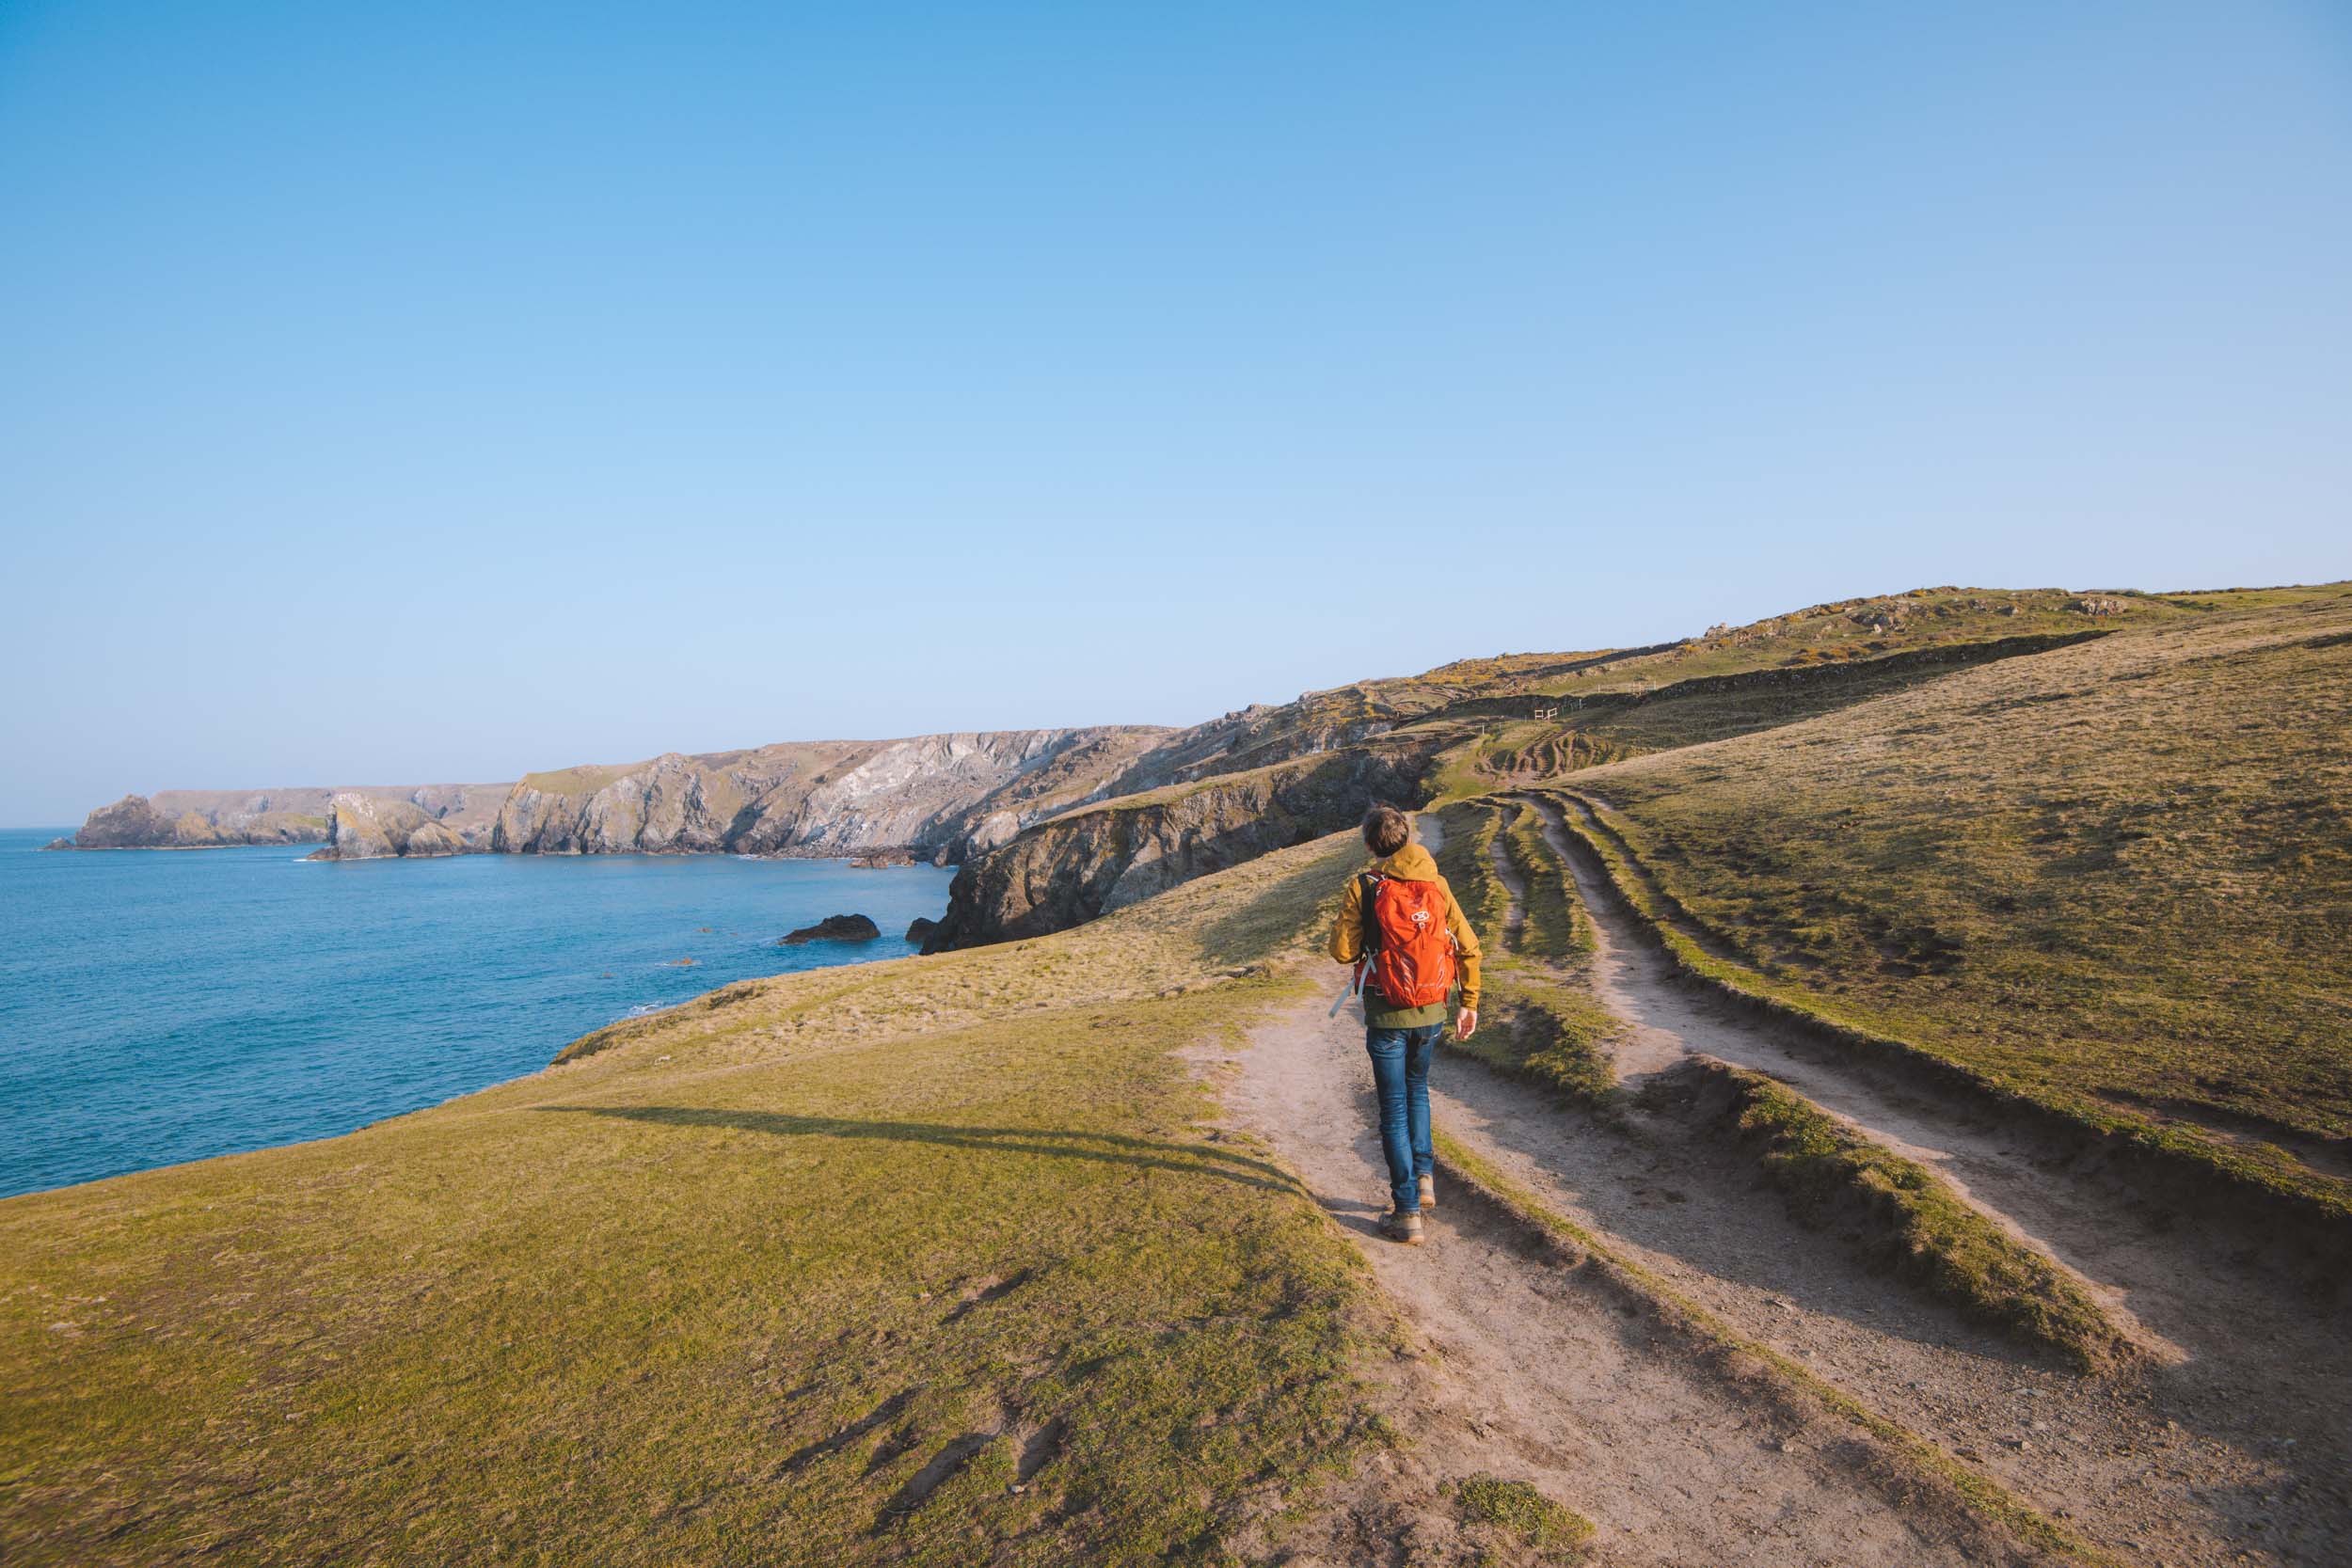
1369	881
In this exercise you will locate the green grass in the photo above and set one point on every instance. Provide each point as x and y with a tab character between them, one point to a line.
1551	1032
1743	701
1844	630
1538	1023
1741	681
2252	598
1556	926
1467	861
1910	1223
811	1271
2112	881
1524	1515
1823	636
583	780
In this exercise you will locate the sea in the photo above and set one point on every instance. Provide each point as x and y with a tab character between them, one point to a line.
161	1006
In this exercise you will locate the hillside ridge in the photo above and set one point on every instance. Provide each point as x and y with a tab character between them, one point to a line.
1012	807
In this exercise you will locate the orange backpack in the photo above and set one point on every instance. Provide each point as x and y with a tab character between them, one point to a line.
1408	952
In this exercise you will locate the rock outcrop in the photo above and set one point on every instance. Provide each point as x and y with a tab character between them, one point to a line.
135	822
834	927
956	793
211	818
919	929
362	827
131	823
1074	867
1052	826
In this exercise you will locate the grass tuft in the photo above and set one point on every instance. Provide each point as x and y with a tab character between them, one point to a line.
1552	1034
1913	1225
1521	1512
1467	860
1556	926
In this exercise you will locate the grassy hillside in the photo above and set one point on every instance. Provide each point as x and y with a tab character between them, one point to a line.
922	1261
2117	877
933	1261
1822	637
1871	628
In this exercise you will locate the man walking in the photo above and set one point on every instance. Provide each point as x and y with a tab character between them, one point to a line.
1400	925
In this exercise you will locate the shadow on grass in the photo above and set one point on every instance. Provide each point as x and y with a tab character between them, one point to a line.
1260	928
1117	1149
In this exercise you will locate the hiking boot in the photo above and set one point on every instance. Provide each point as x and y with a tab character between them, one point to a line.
1401	1227
1428	1192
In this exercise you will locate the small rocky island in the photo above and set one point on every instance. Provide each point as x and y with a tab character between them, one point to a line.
834	927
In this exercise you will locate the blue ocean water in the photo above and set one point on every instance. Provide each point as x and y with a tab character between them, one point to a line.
164	1006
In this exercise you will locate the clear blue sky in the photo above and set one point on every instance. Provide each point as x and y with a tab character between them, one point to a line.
422	392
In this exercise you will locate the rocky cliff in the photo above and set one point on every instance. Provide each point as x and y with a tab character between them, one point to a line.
212	818
938	794
1070	868
135	822
1055	826
362	827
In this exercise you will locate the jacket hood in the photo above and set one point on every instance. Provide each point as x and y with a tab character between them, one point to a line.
1411	863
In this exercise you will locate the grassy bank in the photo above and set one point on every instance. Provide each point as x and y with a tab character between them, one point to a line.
1557	928
1541	1023
2114	880
925	1261
1909	1222
1553	1032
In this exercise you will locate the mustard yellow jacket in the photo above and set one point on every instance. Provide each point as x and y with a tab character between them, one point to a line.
1411	863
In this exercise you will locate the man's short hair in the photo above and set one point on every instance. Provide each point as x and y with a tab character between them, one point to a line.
1387	829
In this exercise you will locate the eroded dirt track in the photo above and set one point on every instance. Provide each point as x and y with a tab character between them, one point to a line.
1526	1371
2230	1445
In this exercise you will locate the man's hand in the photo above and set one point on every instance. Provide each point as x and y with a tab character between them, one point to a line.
1466	1024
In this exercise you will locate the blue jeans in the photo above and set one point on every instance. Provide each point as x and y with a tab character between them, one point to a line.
1400	1071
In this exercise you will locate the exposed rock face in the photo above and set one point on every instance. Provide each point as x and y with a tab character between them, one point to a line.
1054	827
130	822
206	818
920	929
361	827
135	822
951	792
1066	871
834	927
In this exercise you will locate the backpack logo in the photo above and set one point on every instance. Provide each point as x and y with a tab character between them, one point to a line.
1411	952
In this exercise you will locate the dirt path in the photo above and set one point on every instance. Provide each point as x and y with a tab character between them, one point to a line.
1668	1022
2236	1441
1529	1372
2237	1451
